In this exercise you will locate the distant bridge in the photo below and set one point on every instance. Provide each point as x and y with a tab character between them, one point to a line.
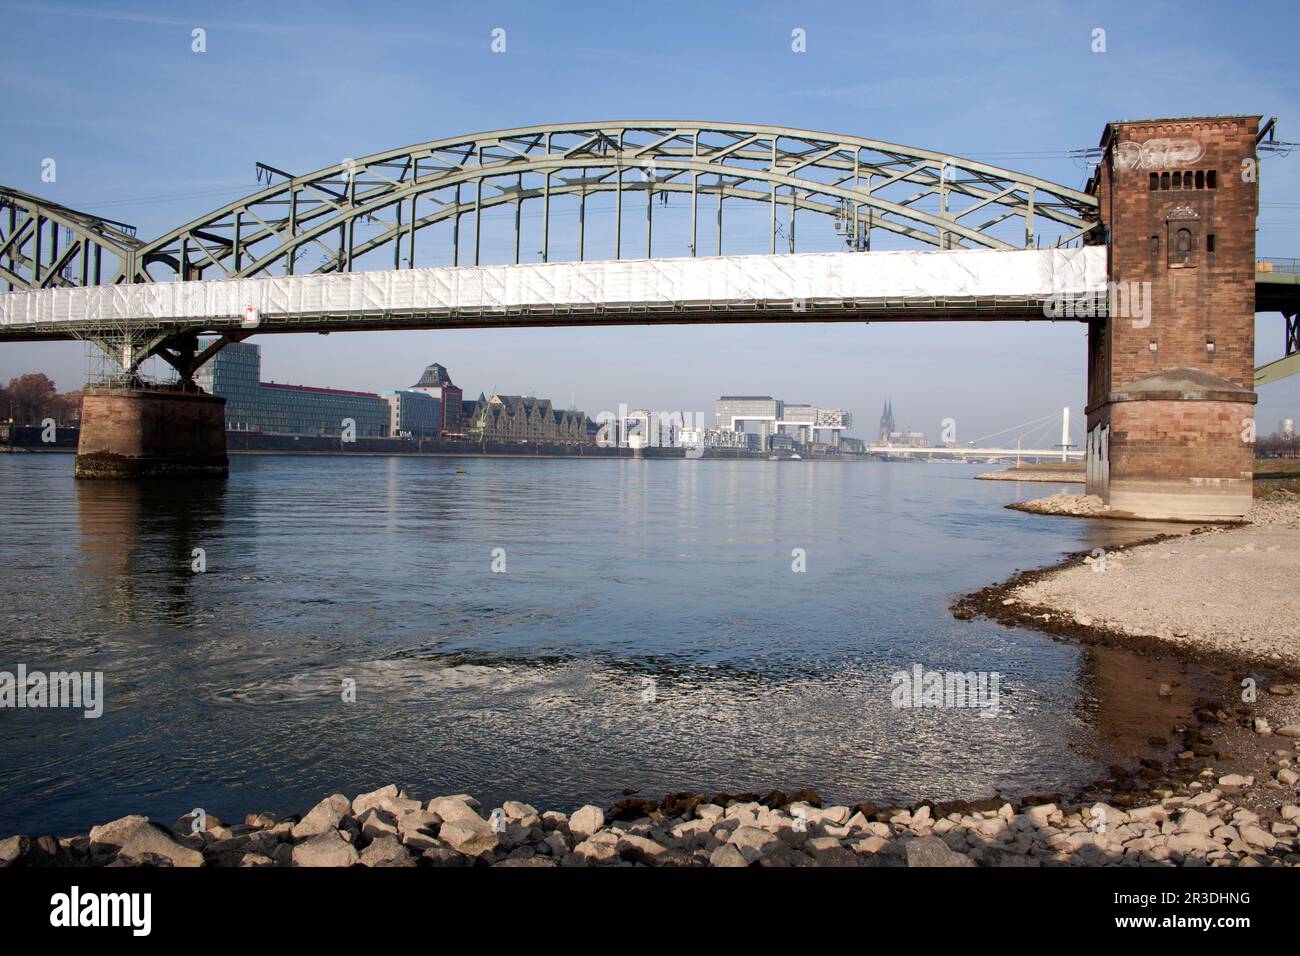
899	450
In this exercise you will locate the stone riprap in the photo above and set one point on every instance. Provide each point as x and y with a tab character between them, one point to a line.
1202	821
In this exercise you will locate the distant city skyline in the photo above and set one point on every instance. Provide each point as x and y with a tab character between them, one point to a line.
1022	106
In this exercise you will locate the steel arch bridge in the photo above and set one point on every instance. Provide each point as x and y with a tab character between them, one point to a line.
347	212
352	216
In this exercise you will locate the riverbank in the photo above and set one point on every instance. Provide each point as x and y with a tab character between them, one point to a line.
1071	472
1188	812
1229	591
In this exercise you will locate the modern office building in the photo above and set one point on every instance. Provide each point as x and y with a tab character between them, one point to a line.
734	412
235	374
413	414
771	416
436	383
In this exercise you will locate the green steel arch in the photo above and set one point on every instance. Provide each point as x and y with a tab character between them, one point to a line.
46	245
352	209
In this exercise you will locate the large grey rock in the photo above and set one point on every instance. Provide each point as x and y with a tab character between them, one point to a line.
1257	836
586	821
12	849
420	823
472	836
116	832
640	849
727	855
931	851
836	856
148	840
454	810
365	801
1040	816
521	813
323	817
783	856
1194	821
753	843
558	843
376	823
386	851
592	851
325	849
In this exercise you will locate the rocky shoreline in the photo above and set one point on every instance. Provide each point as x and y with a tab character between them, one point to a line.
1188	811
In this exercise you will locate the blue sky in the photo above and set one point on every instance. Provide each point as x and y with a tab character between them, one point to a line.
146	131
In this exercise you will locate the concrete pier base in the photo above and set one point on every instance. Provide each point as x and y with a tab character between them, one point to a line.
150	433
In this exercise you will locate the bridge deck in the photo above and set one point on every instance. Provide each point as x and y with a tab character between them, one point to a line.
886	286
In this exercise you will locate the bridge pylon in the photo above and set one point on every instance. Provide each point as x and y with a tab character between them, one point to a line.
1171	395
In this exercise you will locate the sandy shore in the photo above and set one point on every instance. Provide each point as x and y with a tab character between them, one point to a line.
1228	590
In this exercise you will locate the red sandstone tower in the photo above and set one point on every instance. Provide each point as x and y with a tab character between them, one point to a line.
1171	371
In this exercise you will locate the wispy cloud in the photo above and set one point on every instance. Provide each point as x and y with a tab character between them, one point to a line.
127	16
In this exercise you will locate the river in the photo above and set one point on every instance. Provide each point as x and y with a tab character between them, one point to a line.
550	630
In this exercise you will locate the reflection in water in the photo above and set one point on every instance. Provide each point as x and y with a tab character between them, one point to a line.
138	539
224	689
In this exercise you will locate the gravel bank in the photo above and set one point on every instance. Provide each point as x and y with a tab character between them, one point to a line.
1078	506
1062	477
1230	590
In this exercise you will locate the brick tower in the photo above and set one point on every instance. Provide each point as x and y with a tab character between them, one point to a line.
1171	371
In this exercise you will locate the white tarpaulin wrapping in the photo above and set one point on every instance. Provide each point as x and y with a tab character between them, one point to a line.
645	282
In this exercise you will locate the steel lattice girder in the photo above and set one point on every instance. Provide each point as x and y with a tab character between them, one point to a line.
790	169
32	256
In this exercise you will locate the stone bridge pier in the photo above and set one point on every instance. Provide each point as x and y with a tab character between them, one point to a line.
150	432
1171	369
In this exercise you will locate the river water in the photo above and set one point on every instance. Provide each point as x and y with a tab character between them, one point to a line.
644	627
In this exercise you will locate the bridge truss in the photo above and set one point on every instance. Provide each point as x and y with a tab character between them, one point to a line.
396	209
341	215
